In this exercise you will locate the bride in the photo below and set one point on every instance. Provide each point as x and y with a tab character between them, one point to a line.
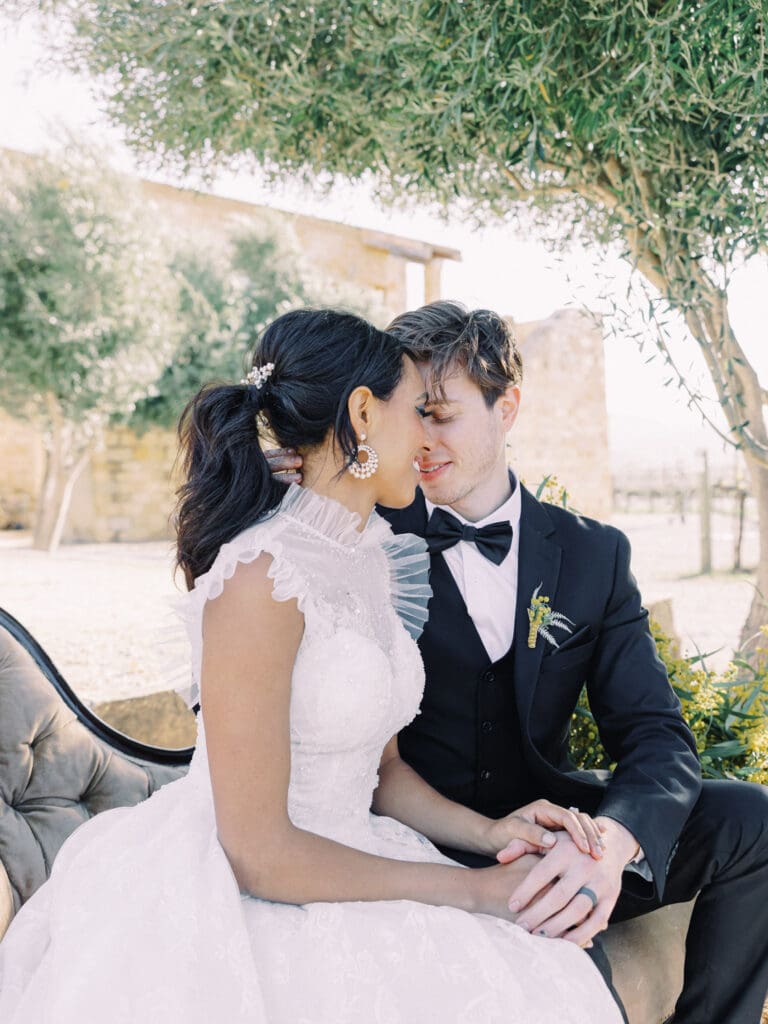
260	887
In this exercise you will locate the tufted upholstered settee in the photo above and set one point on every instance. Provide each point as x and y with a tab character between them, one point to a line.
60	764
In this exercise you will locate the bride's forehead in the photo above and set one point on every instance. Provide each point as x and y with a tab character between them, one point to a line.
412	377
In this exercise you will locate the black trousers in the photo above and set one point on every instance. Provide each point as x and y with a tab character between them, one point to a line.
723	856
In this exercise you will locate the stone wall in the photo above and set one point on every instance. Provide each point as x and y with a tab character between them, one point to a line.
127	491
375	260
22	462
562	427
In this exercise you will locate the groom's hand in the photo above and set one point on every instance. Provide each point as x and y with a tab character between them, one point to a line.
285	464
526	830
564	912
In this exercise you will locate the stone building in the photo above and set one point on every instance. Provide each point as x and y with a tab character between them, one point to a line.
562	427
127	490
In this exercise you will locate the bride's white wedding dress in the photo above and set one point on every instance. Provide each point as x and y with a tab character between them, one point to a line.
142	920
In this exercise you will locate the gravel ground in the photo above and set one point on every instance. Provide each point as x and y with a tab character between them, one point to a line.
709	611
99	609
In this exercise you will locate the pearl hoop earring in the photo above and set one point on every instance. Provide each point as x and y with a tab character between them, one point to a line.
363	470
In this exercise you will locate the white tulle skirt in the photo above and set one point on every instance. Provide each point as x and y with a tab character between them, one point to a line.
142	921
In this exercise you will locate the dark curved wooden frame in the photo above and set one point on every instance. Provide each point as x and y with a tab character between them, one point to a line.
174	756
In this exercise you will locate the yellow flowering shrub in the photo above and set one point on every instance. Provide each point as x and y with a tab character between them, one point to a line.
552	491
727	712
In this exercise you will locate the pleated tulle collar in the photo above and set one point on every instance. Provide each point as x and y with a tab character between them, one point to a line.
330	518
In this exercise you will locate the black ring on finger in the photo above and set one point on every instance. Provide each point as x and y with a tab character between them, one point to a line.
585	891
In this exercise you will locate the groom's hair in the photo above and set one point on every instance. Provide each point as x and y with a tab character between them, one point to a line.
452	338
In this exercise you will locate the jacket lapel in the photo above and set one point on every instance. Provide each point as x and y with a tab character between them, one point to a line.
538	563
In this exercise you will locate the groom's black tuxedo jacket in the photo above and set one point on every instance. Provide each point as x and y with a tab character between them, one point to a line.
494	736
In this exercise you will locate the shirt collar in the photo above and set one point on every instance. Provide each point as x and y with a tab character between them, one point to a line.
509	512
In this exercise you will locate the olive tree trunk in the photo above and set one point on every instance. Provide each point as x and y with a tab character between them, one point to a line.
738	389
65	459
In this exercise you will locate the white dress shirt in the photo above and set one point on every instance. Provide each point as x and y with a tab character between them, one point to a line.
489	590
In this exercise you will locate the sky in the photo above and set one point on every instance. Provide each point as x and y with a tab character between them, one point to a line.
501	267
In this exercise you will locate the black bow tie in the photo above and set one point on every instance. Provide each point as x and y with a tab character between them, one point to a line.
444	530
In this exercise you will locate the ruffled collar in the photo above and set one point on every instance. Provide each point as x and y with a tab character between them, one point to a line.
407	555
330	518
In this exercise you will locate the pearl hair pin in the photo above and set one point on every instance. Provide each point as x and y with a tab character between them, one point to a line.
257	375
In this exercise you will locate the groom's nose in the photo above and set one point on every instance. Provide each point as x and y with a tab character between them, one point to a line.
427	436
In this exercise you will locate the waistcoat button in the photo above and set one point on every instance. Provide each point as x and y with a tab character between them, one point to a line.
485	775
486	726
489	676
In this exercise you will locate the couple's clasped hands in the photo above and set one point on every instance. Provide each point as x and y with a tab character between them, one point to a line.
546	855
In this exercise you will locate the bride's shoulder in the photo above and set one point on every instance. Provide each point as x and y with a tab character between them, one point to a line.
261	551
252	569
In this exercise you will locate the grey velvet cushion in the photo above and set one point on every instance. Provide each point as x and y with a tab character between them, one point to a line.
54	775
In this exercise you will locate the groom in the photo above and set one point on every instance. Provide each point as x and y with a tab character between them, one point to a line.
501	689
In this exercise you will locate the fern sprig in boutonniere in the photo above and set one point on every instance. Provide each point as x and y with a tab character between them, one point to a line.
542	620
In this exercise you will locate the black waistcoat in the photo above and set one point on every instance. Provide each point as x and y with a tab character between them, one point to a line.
466	740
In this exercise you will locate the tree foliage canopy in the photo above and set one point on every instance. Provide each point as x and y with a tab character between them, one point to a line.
228	295
226	300
656	111
87	302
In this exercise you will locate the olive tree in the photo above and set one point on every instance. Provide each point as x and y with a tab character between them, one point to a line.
641	123
87	313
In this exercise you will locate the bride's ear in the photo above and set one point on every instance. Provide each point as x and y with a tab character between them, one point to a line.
360	407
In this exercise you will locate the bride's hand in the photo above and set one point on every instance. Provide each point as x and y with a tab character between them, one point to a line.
285	464
493	885
526	831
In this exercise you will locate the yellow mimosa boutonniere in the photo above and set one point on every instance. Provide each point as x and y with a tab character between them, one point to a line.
542	619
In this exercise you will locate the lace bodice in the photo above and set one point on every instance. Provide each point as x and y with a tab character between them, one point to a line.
358	676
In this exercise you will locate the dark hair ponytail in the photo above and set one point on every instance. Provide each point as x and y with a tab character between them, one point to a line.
227	476
319	358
